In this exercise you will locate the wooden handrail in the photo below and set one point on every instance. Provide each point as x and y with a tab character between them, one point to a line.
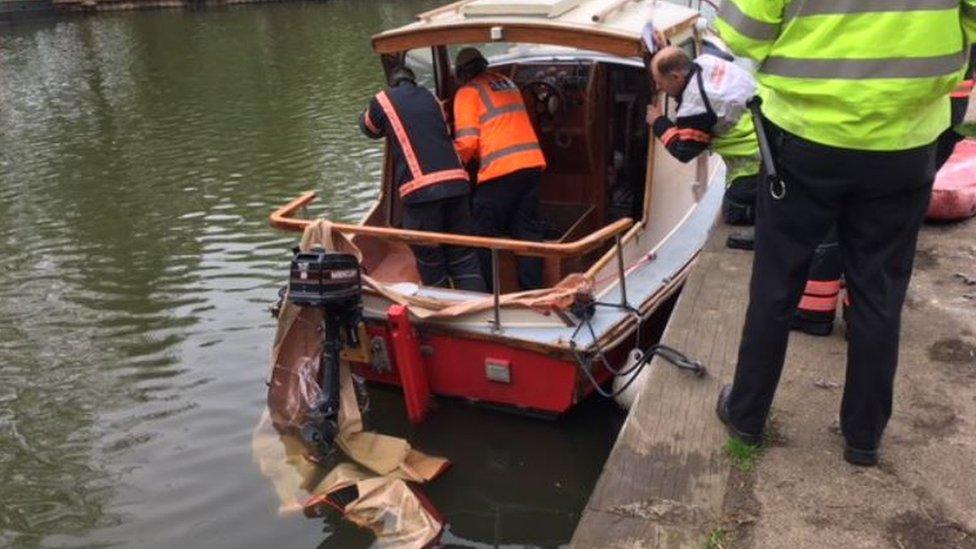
282	219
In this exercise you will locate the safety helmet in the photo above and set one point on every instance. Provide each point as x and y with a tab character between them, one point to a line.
401	74
468	56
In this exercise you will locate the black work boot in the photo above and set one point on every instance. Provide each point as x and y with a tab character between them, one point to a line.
857	456
861	458
722	410
742	240
737	213
813	324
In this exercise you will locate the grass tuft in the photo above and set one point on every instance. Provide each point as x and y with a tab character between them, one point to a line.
744	456
715	540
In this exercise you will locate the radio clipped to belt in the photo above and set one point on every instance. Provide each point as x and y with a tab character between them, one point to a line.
777	187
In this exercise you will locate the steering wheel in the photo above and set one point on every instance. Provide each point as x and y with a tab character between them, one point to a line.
548	99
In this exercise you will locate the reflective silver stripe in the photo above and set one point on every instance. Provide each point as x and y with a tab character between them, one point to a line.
745	25
803	8
491	111
908	67
496	112
513	149
468	132
485	97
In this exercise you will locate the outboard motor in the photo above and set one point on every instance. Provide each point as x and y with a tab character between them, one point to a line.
330	281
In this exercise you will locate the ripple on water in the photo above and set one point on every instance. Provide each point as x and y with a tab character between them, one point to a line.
140	156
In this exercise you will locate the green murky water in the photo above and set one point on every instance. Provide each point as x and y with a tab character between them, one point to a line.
140	154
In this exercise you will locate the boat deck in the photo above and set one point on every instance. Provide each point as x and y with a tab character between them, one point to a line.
669	483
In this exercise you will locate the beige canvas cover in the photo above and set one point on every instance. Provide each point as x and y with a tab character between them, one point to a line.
558	297
381	466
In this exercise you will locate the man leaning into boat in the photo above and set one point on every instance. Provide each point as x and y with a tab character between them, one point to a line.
493	129
432	184
711	93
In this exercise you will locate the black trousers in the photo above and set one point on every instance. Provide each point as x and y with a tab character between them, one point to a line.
739	202
823	282
509	205
827	262
947	141
441	265
877	201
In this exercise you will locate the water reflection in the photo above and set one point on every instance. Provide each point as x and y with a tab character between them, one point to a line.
140	154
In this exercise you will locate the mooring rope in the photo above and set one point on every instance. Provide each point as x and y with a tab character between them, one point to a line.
668	353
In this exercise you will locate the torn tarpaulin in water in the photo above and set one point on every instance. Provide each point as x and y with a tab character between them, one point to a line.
397	513
372	491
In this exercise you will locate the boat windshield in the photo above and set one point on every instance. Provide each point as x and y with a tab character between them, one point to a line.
420	61
497	52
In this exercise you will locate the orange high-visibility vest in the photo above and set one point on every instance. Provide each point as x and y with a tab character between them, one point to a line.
493	127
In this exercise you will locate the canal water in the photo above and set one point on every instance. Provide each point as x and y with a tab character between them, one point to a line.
140	155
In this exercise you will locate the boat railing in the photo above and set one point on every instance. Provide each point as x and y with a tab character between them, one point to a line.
284	218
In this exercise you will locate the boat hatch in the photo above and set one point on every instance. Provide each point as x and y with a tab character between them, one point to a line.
538	8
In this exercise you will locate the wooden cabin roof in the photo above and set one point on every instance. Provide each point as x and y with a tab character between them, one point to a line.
610	26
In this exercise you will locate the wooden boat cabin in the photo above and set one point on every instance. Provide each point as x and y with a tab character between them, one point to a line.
616	207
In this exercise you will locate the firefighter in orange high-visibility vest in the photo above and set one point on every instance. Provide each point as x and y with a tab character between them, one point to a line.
432	185
493	130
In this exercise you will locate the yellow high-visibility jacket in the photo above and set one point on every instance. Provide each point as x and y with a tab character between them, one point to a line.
857	74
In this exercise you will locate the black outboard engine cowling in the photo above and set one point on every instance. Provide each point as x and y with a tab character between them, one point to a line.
330	281
325	279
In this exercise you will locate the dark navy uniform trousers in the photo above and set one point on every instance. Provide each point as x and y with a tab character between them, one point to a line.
444	265
877	201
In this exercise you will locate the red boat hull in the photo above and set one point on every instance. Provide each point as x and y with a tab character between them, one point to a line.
490	372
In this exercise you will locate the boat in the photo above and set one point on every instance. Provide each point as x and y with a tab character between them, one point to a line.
624	220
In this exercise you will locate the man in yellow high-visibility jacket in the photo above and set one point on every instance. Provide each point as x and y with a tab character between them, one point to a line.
855	94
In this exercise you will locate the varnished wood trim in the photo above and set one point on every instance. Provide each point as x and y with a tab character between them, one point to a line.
575	36
282	219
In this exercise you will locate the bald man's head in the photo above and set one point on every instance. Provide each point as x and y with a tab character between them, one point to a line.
670	69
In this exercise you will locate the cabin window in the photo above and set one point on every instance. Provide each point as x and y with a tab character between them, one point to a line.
690	46
494	50
420	61
500	53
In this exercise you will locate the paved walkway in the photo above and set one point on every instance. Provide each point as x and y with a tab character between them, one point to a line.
668	482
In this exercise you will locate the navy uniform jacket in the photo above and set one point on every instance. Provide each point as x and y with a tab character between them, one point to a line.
426	166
